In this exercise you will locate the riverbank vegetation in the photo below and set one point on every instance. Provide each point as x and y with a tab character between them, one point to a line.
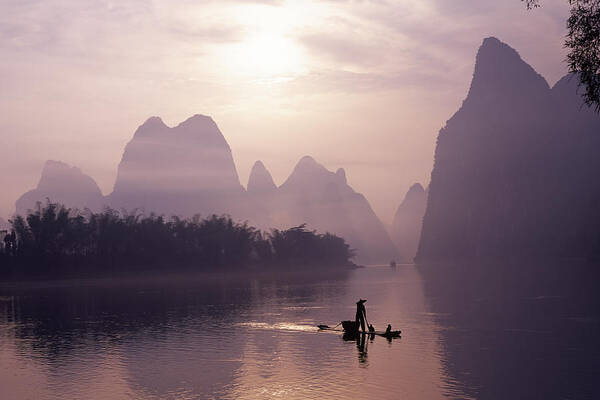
57	241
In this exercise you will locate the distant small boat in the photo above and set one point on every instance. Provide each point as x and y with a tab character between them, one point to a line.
393	264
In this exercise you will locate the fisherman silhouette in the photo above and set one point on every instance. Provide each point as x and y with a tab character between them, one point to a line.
361	314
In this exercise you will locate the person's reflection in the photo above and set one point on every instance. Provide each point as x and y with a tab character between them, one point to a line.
363	346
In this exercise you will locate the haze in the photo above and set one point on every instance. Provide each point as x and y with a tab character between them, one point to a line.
363	85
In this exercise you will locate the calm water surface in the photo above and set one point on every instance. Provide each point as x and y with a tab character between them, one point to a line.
240	338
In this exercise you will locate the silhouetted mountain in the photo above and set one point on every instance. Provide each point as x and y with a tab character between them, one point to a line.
261	195
260	180
183	170
64	184
189	169
408	220
325	201
515	171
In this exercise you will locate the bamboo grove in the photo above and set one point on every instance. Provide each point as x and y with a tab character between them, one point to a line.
54	240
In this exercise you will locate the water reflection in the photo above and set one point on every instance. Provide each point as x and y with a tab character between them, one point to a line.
324	365
522	330
226	338
152	333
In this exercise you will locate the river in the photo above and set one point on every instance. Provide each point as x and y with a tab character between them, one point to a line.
236	337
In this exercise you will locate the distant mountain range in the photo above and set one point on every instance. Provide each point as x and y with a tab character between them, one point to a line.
516	168
515	174
189	169
324	200
64	184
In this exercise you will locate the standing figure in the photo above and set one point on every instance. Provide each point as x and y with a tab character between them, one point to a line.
361	314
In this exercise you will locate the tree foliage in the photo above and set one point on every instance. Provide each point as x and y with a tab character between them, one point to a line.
583	42
532	3
54	239
300	246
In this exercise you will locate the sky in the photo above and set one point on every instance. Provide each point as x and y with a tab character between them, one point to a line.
361	84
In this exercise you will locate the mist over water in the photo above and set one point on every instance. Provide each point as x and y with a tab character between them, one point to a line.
234	337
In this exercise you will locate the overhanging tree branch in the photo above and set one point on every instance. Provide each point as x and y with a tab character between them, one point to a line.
583	42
